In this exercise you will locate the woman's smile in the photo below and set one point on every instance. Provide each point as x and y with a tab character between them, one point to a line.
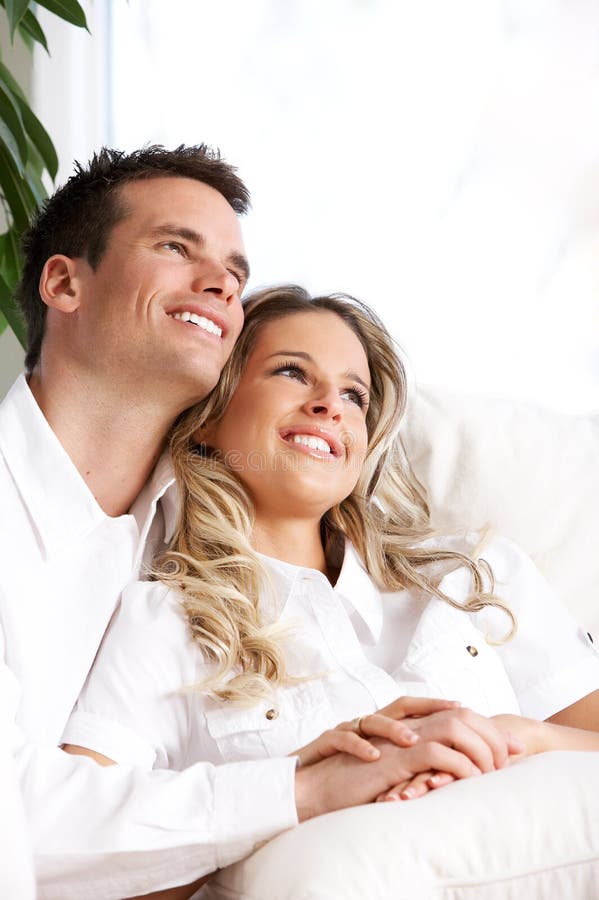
295	428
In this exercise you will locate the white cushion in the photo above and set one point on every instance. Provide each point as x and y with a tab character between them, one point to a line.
532	474
529	832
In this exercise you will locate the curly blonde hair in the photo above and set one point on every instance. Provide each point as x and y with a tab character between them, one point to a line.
211	560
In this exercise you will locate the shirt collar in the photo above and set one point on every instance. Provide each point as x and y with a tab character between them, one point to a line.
60	503
159	486
357	587
58	500
354	585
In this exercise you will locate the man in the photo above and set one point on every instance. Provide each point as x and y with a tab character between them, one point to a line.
131	291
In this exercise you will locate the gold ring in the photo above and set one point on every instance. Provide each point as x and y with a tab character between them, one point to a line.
356	725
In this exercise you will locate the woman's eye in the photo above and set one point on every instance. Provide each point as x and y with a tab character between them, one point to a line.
291	371
359	397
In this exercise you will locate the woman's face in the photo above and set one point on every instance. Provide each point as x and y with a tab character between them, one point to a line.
295	429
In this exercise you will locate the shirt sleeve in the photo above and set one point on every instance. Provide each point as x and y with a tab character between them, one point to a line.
104	833
136	705
551	661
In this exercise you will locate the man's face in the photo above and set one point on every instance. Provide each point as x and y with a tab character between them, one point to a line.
162	310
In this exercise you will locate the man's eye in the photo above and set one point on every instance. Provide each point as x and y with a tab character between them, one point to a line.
174	247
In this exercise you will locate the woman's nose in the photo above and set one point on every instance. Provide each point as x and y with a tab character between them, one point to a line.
325	403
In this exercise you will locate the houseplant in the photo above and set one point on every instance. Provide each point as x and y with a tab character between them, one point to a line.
26	150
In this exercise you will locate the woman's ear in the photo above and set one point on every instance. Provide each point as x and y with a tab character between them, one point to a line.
204	433
59	285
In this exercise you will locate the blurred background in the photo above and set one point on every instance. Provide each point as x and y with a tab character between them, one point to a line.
438	160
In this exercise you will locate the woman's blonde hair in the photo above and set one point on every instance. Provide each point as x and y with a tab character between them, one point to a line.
211	559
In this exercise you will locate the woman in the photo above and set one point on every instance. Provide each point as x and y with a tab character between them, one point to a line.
304	585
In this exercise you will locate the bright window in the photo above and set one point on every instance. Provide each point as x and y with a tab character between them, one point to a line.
439	160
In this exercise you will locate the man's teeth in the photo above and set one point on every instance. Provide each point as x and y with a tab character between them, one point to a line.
202	321
309	440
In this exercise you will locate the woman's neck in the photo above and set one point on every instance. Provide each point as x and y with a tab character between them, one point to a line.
295	541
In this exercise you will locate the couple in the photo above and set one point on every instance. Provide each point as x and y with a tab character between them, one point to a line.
268	605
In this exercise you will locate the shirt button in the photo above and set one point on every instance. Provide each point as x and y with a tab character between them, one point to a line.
271	714
472	650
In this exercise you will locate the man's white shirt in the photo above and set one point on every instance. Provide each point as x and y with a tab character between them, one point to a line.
64	562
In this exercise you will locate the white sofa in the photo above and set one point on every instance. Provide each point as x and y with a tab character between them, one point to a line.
530	832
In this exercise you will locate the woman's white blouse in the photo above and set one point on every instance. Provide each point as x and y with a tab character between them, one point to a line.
364	647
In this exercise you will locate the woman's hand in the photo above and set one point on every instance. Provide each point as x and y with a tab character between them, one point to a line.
488	743
352	737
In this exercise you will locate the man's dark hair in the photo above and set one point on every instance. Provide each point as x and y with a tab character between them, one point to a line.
78	219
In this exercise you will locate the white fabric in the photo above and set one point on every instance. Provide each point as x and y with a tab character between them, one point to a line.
530	473
16	858
98	833
529	832
133	708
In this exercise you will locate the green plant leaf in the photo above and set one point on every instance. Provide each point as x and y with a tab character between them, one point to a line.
7	138
3	323
16	190
10	256
9	82
15	10
39	138
34	180
10	114
69	10
30	27
10	311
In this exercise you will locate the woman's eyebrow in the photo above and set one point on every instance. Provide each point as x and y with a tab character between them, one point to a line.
299	353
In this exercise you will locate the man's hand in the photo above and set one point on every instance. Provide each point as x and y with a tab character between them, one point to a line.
386	723
489	743
342	781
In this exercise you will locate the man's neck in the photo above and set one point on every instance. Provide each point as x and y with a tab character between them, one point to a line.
114	438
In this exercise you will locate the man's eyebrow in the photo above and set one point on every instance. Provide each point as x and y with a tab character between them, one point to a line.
240	262
169	229
302	355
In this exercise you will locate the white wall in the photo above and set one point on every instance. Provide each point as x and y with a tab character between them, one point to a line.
440	160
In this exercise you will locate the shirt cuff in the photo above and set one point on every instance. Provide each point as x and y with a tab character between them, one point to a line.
253	802
562	689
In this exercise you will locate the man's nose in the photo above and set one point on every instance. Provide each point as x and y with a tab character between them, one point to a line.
212	277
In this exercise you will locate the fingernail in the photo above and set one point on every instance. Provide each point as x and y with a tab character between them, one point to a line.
407	794
434	779
410	737
373	752
392	797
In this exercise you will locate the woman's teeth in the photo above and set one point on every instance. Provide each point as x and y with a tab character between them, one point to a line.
309	440
202	321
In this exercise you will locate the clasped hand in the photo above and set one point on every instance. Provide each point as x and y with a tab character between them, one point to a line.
448	742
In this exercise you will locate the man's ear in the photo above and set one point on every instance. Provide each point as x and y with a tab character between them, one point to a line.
59	285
